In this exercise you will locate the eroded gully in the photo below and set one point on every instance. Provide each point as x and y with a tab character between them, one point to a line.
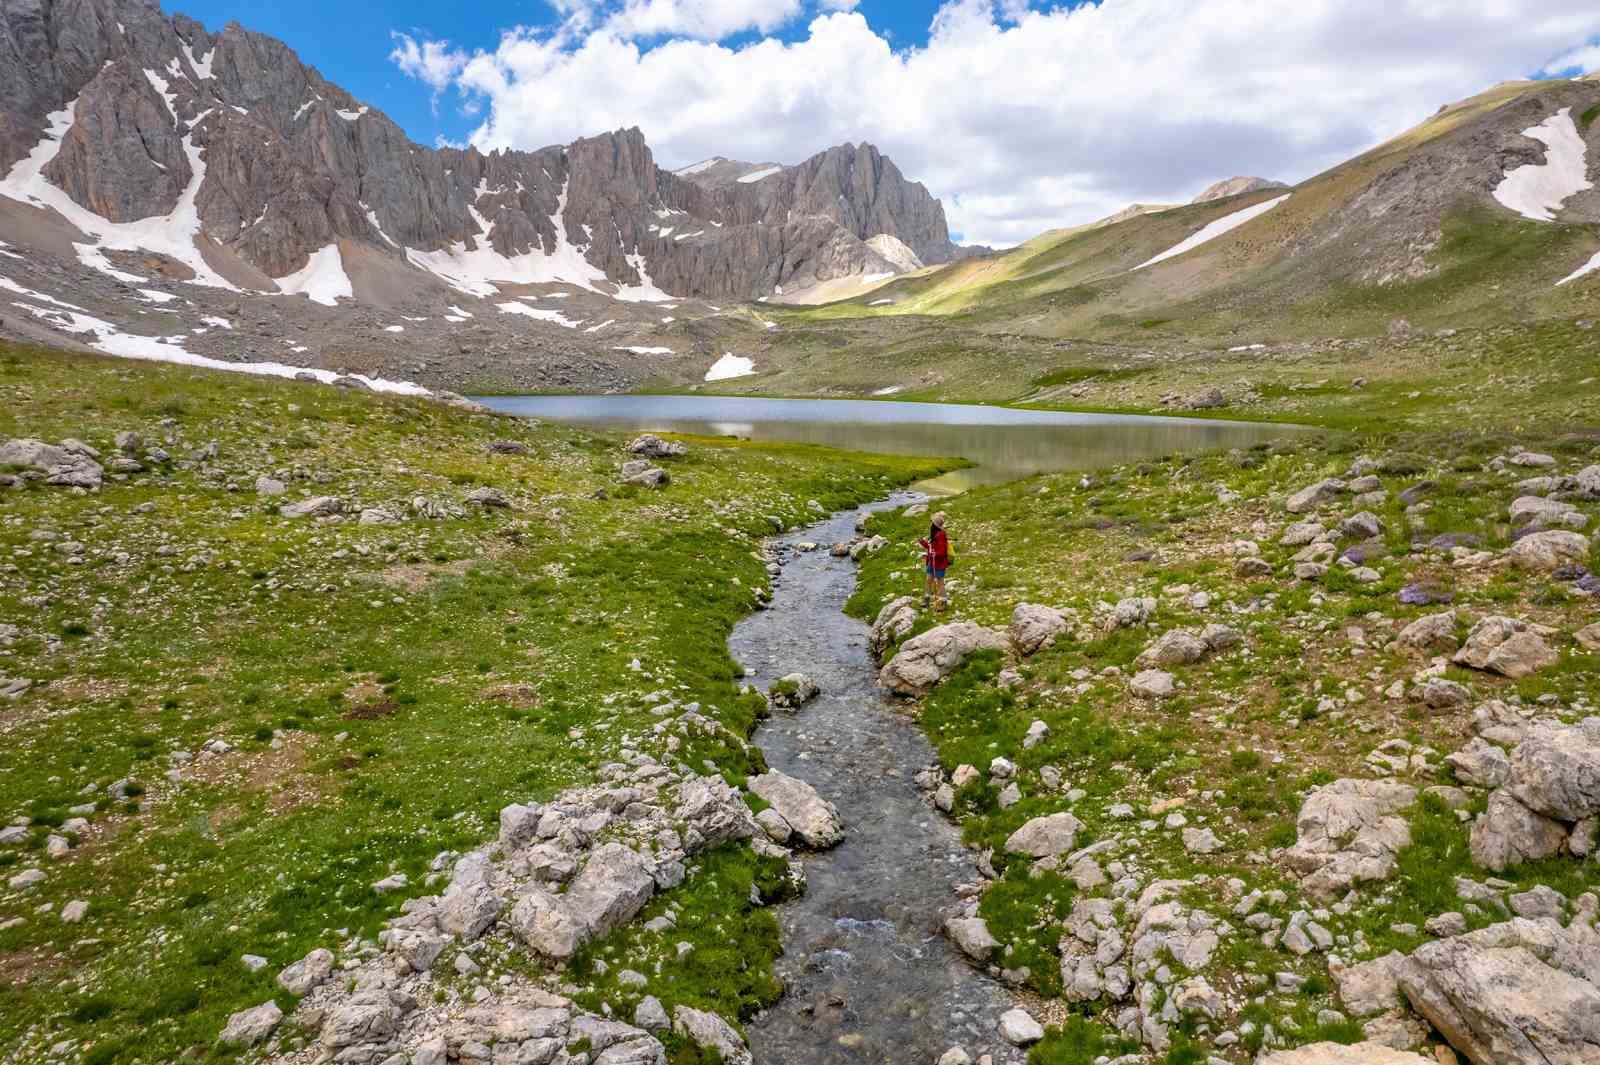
869	977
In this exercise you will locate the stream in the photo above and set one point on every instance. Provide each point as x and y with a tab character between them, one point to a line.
869	976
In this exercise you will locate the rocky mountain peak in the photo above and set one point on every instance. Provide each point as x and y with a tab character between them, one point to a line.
1236	186
263	169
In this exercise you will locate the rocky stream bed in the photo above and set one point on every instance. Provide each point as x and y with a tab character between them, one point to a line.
868	974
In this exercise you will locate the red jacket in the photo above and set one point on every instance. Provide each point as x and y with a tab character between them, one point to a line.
937	552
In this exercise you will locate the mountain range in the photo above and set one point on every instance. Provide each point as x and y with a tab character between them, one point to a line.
170	192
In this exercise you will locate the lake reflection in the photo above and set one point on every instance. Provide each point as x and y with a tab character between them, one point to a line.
1003	442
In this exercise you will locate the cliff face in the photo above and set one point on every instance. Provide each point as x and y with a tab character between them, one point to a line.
262	163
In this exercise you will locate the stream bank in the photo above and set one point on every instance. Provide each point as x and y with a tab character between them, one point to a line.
868	974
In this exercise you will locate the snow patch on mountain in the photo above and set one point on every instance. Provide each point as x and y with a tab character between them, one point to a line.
1210	232
1537	190
322	279
513	307
172	234
729	367
109	339
760	175
475	271
1583	271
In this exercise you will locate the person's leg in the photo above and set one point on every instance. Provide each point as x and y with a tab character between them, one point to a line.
939	593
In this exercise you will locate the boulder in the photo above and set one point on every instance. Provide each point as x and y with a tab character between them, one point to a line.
365	1017
1370	987
926	659
488	498
710	1032
307	974
1349	833
270	486
1434	633
1556	771
249	1027
641	473
314	507
1480	764
1302	533
66	466
1018	1028
1153	684
1313	496
611	889
1176	647
897	618
1363	526
793	691
1508	833
1340	1054
1546	552
652	446
1505	646
1547	511
1136	610
1588	637
1518	993
715	810
1046	837
971	936
1035	627
810	816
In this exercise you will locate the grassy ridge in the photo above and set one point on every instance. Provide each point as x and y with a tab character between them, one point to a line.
386	688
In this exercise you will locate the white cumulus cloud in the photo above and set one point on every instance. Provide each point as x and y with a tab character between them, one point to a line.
1019	119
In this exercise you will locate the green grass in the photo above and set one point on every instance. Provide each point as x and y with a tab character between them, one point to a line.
361	671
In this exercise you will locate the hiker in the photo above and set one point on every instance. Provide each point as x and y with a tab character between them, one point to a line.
936	559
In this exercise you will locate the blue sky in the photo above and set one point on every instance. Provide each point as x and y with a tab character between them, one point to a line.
349	41
1020	115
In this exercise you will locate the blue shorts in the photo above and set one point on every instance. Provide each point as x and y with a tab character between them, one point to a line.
936	574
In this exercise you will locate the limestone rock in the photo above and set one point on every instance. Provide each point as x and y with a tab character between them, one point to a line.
1153	684
895	620
1314	496
1506	646
1556	771
1018	1028
1349	833
1480	764
793	691
1434	633
1545	552
1370	987
1508	833
711	1032
314	507
652	446
926	659
1518	993
1046	837
813	818
1339	1054
971	935
1035	627
307	974
249	1027
1174	648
